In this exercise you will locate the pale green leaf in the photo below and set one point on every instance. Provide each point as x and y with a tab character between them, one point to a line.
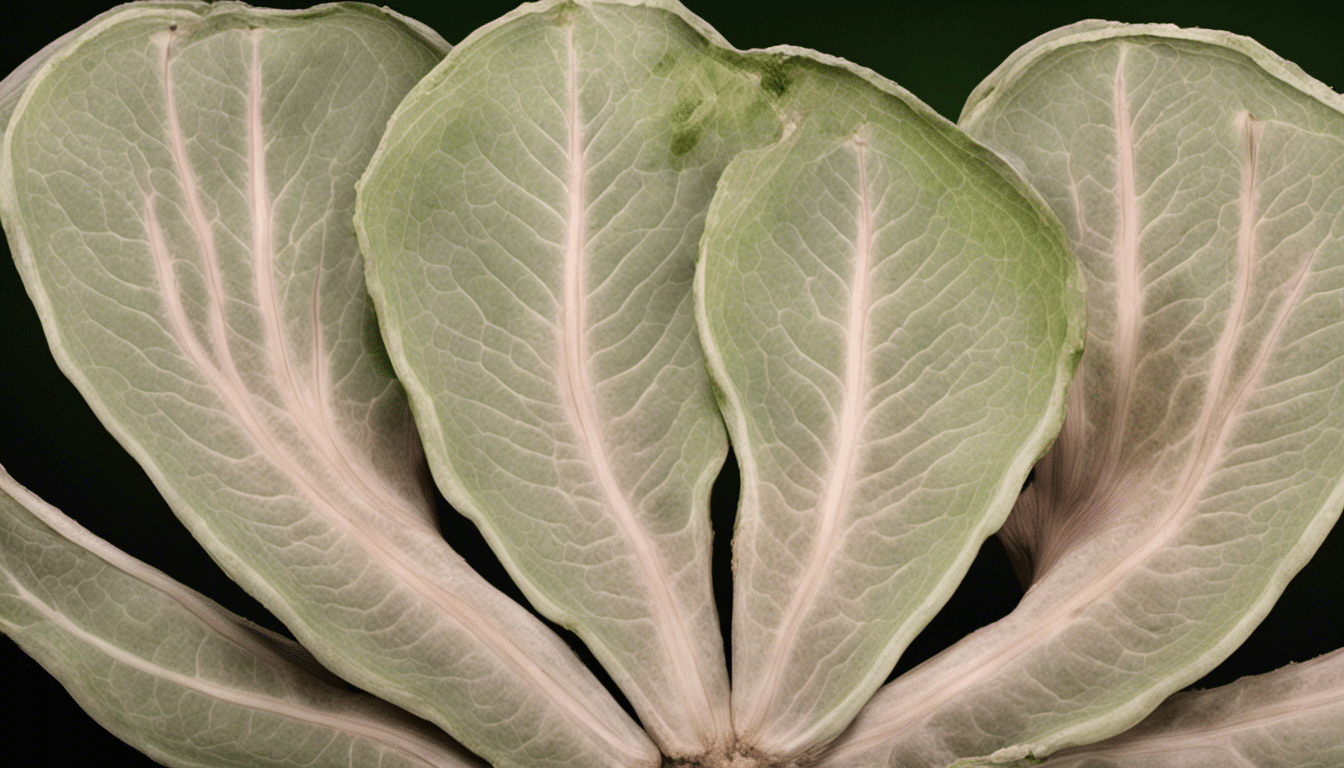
531	221
892	317
178	188
1201	180
1289	718
176	675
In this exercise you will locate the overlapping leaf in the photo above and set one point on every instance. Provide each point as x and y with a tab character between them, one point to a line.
1201	179
1290	717
177	188
892	317
176	675
531	222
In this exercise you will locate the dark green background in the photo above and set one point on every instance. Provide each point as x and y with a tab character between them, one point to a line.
52	443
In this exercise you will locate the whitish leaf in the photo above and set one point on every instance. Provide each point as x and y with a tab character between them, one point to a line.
893	317
176	675
1289	718
178	187
1201	179
531	221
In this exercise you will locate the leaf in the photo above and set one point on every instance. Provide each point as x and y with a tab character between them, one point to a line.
892	317
1201	179
176	675
177	187
532	219
1290	717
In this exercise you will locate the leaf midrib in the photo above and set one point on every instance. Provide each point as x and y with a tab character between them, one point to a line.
577	393
841	475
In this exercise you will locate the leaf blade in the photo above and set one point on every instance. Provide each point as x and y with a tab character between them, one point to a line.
535	290
852	398
205	292
1196	472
